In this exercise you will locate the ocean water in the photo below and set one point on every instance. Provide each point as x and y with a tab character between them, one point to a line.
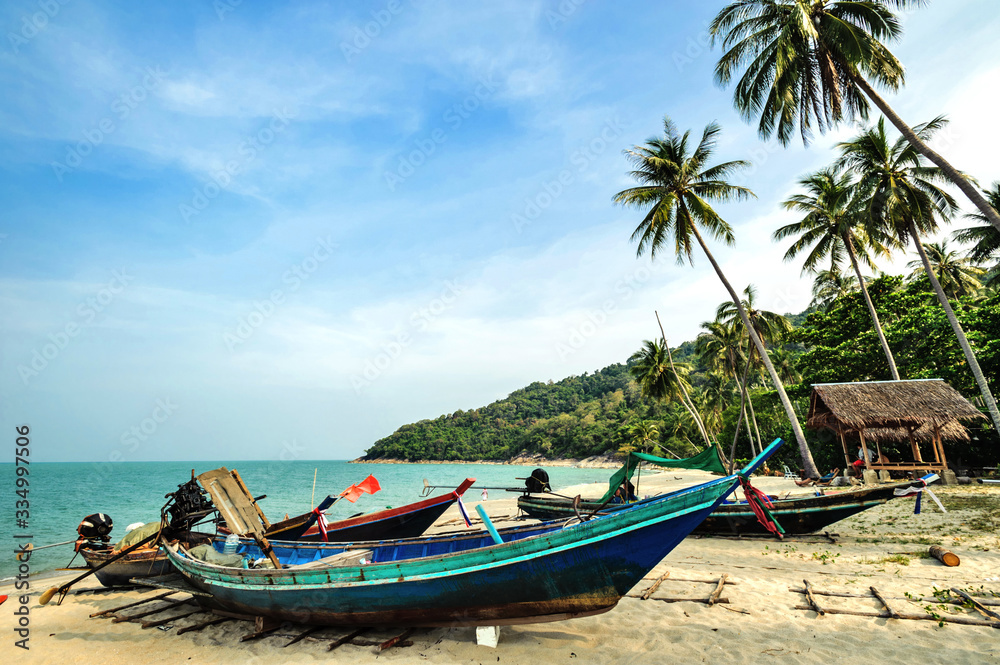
62	494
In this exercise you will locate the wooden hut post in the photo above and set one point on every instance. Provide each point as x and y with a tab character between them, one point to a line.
864	446
913	444
847	455
940	444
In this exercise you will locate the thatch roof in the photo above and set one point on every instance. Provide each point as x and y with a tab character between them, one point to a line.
950	431
844	407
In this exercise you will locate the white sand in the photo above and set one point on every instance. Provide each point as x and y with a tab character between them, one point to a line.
759	624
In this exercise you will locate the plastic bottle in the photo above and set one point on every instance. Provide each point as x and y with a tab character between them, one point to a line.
232	541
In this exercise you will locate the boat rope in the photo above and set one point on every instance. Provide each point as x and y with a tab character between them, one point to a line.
760	504
321	523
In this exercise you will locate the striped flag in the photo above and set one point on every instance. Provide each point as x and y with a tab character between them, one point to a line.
461	509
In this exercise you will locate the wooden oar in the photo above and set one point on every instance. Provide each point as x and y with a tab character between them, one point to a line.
64	589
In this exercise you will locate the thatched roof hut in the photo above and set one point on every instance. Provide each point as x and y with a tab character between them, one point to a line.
926	410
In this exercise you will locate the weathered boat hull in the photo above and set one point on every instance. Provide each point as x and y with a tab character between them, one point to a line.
141	563
800	515
556	572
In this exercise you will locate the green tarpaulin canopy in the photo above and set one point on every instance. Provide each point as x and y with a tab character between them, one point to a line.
706	460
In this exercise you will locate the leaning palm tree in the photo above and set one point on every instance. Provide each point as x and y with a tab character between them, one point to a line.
985	238
676	185
814	62
904	197
643	436
832	227
959	276
830	285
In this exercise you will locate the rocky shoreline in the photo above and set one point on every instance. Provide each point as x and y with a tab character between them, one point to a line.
606	461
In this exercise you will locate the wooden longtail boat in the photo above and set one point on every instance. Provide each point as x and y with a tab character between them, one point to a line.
575	570
403	522
144	562
796	515
406	521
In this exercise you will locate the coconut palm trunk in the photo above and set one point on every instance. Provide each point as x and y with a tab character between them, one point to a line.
871	308
970	357
949	171
807	458
685	398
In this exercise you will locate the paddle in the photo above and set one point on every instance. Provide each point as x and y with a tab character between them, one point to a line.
64	589
30	548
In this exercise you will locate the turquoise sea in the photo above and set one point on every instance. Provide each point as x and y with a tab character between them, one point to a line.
62	494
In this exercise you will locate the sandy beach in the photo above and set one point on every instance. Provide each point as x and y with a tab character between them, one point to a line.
756	619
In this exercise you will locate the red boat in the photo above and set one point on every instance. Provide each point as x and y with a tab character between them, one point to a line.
407	521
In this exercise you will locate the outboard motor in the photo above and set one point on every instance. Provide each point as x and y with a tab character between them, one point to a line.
187	505
95	532
537	482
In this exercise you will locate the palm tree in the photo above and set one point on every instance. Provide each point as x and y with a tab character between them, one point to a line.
643	435
784	362
905	198
830	285
676	185
834	226
957	274
661	379
720	349
770	327
814	62
985	237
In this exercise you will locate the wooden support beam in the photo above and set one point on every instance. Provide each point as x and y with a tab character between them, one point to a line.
893	613
263	626
703	601
346	638
301	636
390	643
132	604
171	604
203	625
161	622
812	599
844	594
975	603
714	598
919	617
654	586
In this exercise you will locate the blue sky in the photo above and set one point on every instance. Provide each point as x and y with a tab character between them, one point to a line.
260	231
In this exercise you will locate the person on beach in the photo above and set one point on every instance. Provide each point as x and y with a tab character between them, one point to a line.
859	464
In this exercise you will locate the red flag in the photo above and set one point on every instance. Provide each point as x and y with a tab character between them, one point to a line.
352	493
369	484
